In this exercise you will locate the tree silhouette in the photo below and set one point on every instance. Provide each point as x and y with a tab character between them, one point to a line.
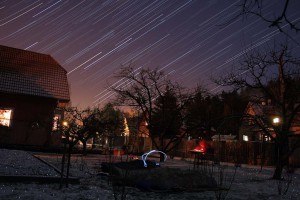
275	74
277	20
151	92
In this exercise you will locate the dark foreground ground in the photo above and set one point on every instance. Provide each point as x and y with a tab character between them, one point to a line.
249	182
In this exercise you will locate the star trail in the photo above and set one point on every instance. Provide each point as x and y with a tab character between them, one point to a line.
190	40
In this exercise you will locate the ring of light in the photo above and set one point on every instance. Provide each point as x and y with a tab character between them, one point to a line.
145	155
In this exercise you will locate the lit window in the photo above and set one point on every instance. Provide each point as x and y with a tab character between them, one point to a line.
5	117
245	137
267	138
56	122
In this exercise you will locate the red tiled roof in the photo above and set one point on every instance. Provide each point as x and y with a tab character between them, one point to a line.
30	73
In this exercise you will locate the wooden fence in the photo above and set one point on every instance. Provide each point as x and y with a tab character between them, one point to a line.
239	152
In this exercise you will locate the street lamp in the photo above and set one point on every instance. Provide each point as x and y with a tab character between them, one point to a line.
276	120
65	123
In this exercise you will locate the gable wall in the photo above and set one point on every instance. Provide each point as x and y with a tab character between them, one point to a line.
31	120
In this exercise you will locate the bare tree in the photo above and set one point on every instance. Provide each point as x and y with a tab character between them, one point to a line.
146	90
275	74
79	125
84	124
278	20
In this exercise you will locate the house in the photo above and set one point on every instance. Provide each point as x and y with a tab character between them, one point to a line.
33	89
267	118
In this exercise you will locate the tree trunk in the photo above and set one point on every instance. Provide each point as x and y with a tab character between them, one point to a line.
283	144
279	166
62	166
69	164
278	171
84	147
282	157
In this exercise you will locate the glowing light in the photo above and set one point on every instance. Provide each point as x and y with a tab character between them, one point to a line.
245	138
5	116
276	120
201	146
64	123
145	155
55	122
126	129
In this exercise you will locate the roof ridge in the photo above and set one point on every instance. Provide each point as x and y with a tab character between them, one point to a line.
25	51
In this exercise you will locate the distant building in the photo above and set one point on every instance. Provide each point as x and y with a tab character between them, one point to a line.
223	138
268	118
33	89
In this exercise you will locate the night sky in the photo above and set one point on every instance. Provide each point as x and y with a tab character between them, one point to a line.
188	39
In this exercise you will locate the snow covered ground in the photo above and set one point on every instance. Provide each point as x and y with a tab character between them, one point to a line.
249	183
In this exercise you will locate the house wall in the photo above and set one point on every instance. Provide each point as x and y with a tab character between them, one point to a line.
32	119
